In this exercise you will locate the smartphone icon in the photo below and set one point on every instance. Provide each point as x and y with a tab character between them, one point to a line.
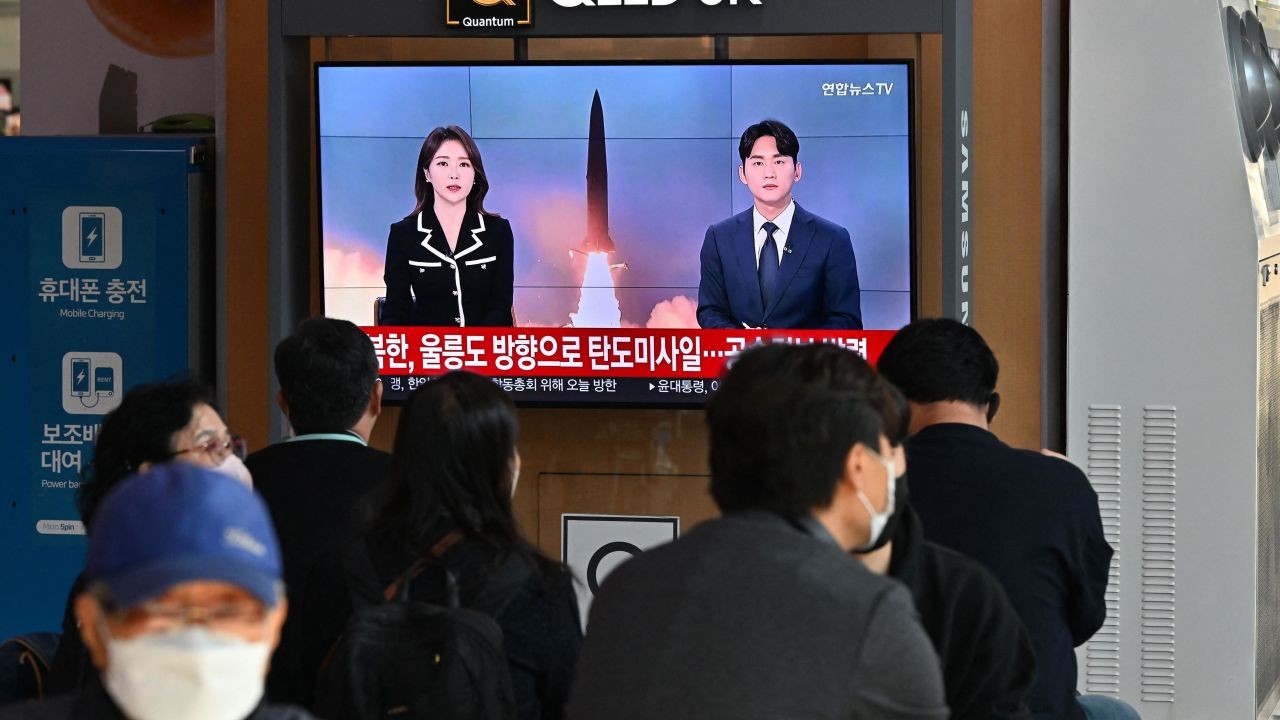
92	229
104	381
80	377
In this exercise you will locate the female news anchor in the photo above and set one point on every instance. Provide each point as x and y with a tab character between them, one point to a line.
450	261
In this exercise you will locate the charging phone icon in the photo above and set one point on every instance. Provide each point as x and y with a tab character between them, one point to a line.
92	241
80	377
92	382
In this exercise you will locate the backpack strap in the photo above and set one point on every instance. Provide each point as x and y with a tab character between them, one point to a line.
398	590
500	587
35	651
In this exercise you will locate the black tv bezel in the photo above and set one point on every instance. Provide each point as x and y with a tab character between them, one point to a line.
587	402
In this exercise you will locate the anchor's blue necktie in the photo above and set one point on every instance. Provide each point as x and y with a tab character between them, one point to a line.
767	268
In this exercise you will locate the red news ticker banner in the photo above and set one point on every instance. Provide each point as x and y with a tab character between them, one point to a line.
587	352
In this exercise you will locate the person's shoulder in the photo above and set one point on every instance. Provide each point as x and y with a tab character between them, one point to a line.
494	221
302	458
731	222
545	587
1054	474
408	223
777	549
821	224
669	561
360	454
291	452
267	458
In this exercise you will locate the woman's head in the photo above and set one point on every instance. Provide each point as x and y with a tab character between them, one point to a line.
449	156
455	462
154	423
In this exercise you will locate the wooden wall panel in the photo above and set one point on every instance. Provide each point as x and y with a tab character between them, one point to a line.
929	178
244	142
616	443
684	496
623	443
417	49
791	47
893	47
693	48
1007	221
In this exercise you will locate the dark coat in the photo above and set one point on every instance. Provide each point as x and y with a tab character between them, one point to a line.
1033	521
751	618
310	487
71	668
540	626
817	283
472	286
987	662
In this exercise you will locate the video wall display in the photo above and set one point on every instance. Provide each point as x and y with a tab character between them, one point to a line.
618	259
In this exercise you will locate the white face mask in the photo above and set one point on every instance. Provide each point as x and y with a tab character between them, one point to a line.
879	520
192	674
234	467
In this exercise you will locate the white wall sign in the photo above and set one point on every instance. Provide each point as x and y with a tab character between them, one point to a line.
593	545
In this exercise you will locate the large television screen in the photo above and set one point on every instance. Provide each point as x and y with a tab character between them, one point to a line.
625	234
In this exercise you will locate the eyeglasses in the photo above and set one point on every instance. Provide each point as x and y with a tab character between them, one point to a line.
217	448
232	617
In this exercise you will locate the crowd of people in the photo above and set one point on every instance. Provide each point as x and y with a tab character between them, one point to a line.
320	577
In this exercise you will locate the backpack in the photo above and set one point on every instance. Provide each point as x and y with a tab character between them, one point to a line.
416	660
24	665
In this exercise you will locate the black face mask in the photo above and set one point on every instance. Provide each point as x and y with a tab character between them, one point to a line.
890	527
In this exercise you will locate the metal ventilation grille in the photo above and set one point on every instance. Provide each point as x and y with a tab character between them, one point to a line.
1268	614
1102	652
1159	506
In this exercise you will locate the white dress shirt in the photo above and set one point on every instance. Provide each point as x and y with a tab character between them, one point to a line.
783	221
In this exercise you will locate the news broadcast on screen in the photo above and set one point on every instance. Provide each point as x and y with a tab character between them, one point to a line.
593	234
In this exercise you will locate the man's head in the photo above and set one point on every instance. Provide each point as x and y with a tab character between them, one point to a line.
942	362
328	373
770	155
806	429
185	601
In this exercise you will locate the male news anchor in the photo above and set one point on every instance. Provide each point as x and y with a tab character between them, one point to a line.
776	265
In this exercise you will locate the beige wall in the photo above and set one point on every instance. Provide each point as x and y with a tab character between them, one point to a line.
10	47
65	56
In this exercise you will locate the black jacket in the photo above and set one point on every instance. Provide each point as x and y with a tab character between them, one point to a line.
1033	521
310	486
750	617
987	662
472	286
71	668
540	626
93	703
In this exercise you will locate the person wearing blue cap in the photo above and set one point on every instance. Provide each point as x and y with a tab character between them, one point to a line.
183	605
